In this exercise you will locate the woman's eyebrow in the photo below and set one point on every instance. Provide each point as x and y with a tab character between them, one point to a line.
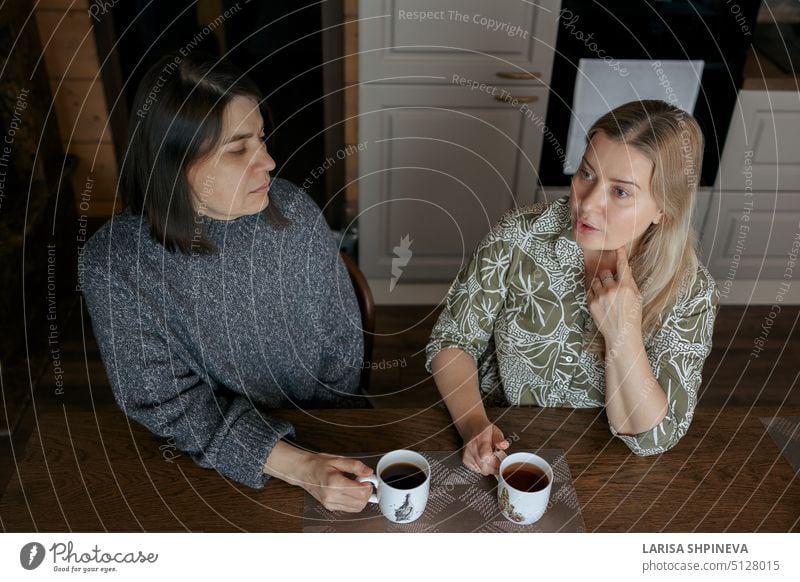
631	182
238	136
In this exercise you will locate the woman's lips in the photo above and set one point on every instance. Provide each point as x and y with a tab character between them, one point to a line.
585	227
263	188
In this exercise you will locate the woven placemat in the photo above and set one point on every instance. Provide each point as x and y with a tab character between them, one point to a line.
785	431
459	501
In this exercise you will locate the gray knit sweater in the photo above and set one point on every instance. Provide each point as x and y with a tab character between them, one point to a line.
198	348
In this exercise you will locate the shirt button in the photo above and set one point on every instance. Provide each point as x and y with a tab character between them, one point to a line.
569	359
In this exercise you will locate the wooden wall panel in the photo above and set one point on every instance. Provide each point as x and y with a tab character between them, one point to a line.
70	54
69	47
64	4
95	180
82	112
351	104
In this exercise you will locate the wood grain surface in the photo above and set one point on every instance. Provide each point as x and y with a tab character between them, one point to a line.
86	471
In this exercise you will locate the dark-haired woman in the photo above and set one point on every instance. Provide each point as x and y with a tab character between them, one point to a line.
219	293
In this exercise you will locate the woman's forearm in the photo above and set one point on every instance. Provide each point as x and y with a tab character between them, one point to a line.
456	376
635	401
286	462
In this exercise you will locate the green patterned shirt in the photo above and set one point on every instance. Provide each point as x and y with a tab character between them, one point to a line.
519	309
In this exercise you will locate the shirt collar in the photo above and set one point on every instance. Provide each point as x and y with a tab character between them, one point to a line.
568	254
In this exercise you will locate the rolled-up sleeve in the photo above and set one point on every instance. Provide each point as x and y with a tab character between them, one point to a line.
677	354
216	427
476	296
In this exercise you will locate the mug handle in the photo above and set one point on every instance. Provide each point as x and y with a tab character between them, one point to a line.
374	480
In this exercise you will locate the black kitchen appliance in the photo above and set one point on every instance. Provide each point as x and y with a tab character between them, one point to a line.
719	32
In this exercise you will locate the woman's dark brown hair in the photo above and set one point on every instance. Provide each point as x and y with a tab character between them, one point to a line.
176	120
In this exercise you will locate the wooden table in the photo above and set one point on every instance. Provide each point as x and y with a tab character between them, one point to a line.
85	471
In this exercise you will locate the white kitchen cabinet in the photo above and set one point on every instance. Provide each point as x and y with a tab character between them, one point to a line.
436	39
754	213
757	247
441	165
452	102
766	123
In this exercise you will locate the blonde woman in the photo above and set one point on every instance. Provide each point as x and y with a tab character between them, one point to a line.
594	300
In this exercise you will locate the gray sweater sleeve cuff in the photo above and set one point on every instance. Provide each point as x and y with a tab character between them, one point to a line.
243	453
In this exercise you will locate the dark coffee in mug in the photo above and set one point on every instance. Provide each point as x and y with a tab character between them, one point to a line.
403	476
525	477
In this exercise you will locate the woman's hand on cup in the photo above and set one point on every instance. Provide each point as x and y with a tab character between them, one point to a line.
481	441
324	478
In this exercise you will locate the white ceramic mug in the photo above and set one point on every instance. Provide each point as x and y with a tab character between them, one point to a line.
523	507
400	505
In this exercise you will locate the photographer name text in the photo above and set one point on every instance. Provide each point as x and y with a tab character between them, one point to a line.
694	549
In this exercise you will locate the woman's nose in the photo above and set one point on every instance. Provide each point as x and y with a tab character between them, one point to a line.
264	161
593	196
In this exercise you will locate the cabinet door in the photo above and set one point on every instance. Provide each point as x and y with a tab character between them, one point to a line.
431	40
764	138
751	236
438	166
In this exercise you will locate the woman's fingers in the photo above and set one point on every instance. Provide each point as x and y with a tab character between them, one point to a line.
490	466
473	454
479	452
339	490
352	466
485	449
605	274
500	445
331	487
623	268
488	461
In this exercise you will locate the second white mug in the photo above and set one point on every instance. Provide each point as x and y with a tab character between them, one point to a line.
523	487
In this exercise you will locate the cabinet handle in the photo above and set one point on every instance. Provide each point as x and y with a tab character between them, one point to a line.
518	75
517	98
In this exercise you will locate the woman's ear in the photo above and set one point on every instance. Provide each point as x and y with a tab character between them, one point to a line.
658	217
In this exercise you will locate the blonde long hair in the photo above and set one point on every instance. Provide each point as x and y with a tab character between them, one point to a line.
664	263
